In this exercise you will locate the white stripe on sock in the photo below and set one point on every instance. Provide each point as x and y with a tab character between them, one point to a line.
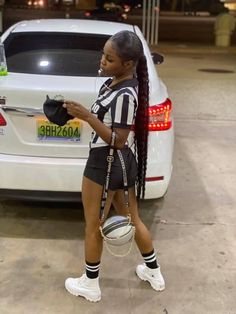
151	260
147	258
92	268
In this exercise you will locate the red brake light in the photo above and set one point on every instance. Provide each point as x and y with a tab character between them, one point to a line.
2	121
87	14
159	116
154	179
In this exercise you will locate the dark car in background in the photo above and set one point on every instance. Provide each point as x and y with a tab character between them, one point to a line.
106	14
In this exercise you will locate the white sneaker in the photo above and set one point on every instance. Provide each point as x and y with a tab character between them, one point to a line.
84	287
153	276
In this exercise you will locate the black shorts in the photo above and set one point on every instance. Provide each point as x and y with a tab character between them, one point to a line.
96	167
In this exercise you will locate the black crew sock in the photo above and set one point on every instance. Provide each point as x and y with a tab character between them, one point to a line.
150	260
92	269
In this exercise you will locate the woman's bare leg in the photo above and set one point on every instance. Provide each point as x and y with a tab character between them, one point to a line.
150	271
87	285
91	197
142	235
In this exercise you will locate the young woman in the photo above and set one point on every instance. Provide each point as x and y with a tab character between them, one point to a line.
121	106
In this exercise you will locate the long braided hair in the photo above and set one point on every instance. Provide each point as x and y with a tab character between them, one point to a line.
129	47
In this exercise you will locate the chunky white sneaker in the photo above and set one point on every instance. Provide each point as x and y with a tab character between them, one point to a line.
153	276
84	287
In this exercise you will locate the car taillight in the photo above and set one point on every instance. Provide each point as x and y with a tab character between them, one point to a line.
160	116
150	179
2	121
87	14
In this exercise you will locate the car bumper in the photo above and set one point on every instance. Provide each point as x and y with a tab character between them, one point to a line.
46	196
157	189
41	174
35	178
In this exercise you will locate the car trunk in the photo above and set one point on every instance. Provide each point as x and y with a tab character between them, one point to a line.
23	110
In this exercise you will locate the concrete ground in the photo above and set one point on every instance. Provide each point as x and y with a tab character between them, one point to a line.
193	227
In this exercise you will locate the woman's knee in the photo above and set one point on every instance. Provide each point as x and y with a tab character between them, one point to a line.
92	230
136	220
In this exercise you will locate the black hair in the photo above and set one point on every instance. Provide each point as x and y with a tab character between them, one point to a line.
129	47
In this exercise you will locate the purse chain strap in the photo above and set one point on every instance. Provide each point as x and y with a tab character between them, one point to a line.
110	160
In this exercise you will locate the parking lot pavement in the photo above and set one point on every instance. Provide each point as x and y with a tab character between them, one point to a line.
201	80
193	227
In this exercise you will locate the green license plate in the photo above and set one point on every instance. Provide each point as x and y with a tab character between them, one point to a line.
48	131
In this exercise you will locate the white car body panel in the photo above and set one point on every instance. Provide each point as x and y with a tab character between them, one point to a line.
31	165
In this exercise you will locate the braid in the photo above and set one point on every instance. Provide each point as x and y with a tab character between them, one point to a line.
141	124
129	47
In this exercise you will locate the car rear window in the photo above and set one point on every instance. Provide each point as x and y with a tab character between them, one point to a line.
69	54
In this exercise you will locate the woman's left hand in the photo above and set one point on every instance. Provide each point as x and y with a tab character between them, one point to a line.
76	110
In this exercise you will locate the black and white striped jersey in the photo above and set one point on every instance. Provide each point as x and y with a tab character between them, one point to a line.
116	107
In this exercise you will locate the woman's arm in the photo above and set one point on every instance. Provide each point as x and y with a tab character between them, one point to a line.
105	133
77	110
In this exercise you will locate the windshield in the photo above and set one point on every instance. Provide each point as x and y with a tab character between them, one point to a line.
67	54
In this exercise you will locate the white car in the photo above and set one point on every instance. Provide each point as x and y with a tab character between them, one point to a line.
60	58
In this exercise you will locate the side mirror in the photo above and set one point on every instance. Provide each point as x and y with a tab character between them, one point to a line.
157	58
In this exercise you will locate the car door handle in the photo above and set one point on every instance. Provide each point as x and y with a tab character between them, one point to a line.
22	110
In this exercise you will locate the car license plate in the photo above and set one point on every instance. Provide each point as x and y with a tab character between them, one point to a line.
48	131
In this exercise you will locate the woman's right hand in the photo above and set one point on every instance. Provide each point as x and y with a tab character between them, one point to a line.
76	110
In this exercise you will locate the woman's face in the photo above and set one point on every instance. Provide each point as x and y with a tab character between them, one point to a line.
111	64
